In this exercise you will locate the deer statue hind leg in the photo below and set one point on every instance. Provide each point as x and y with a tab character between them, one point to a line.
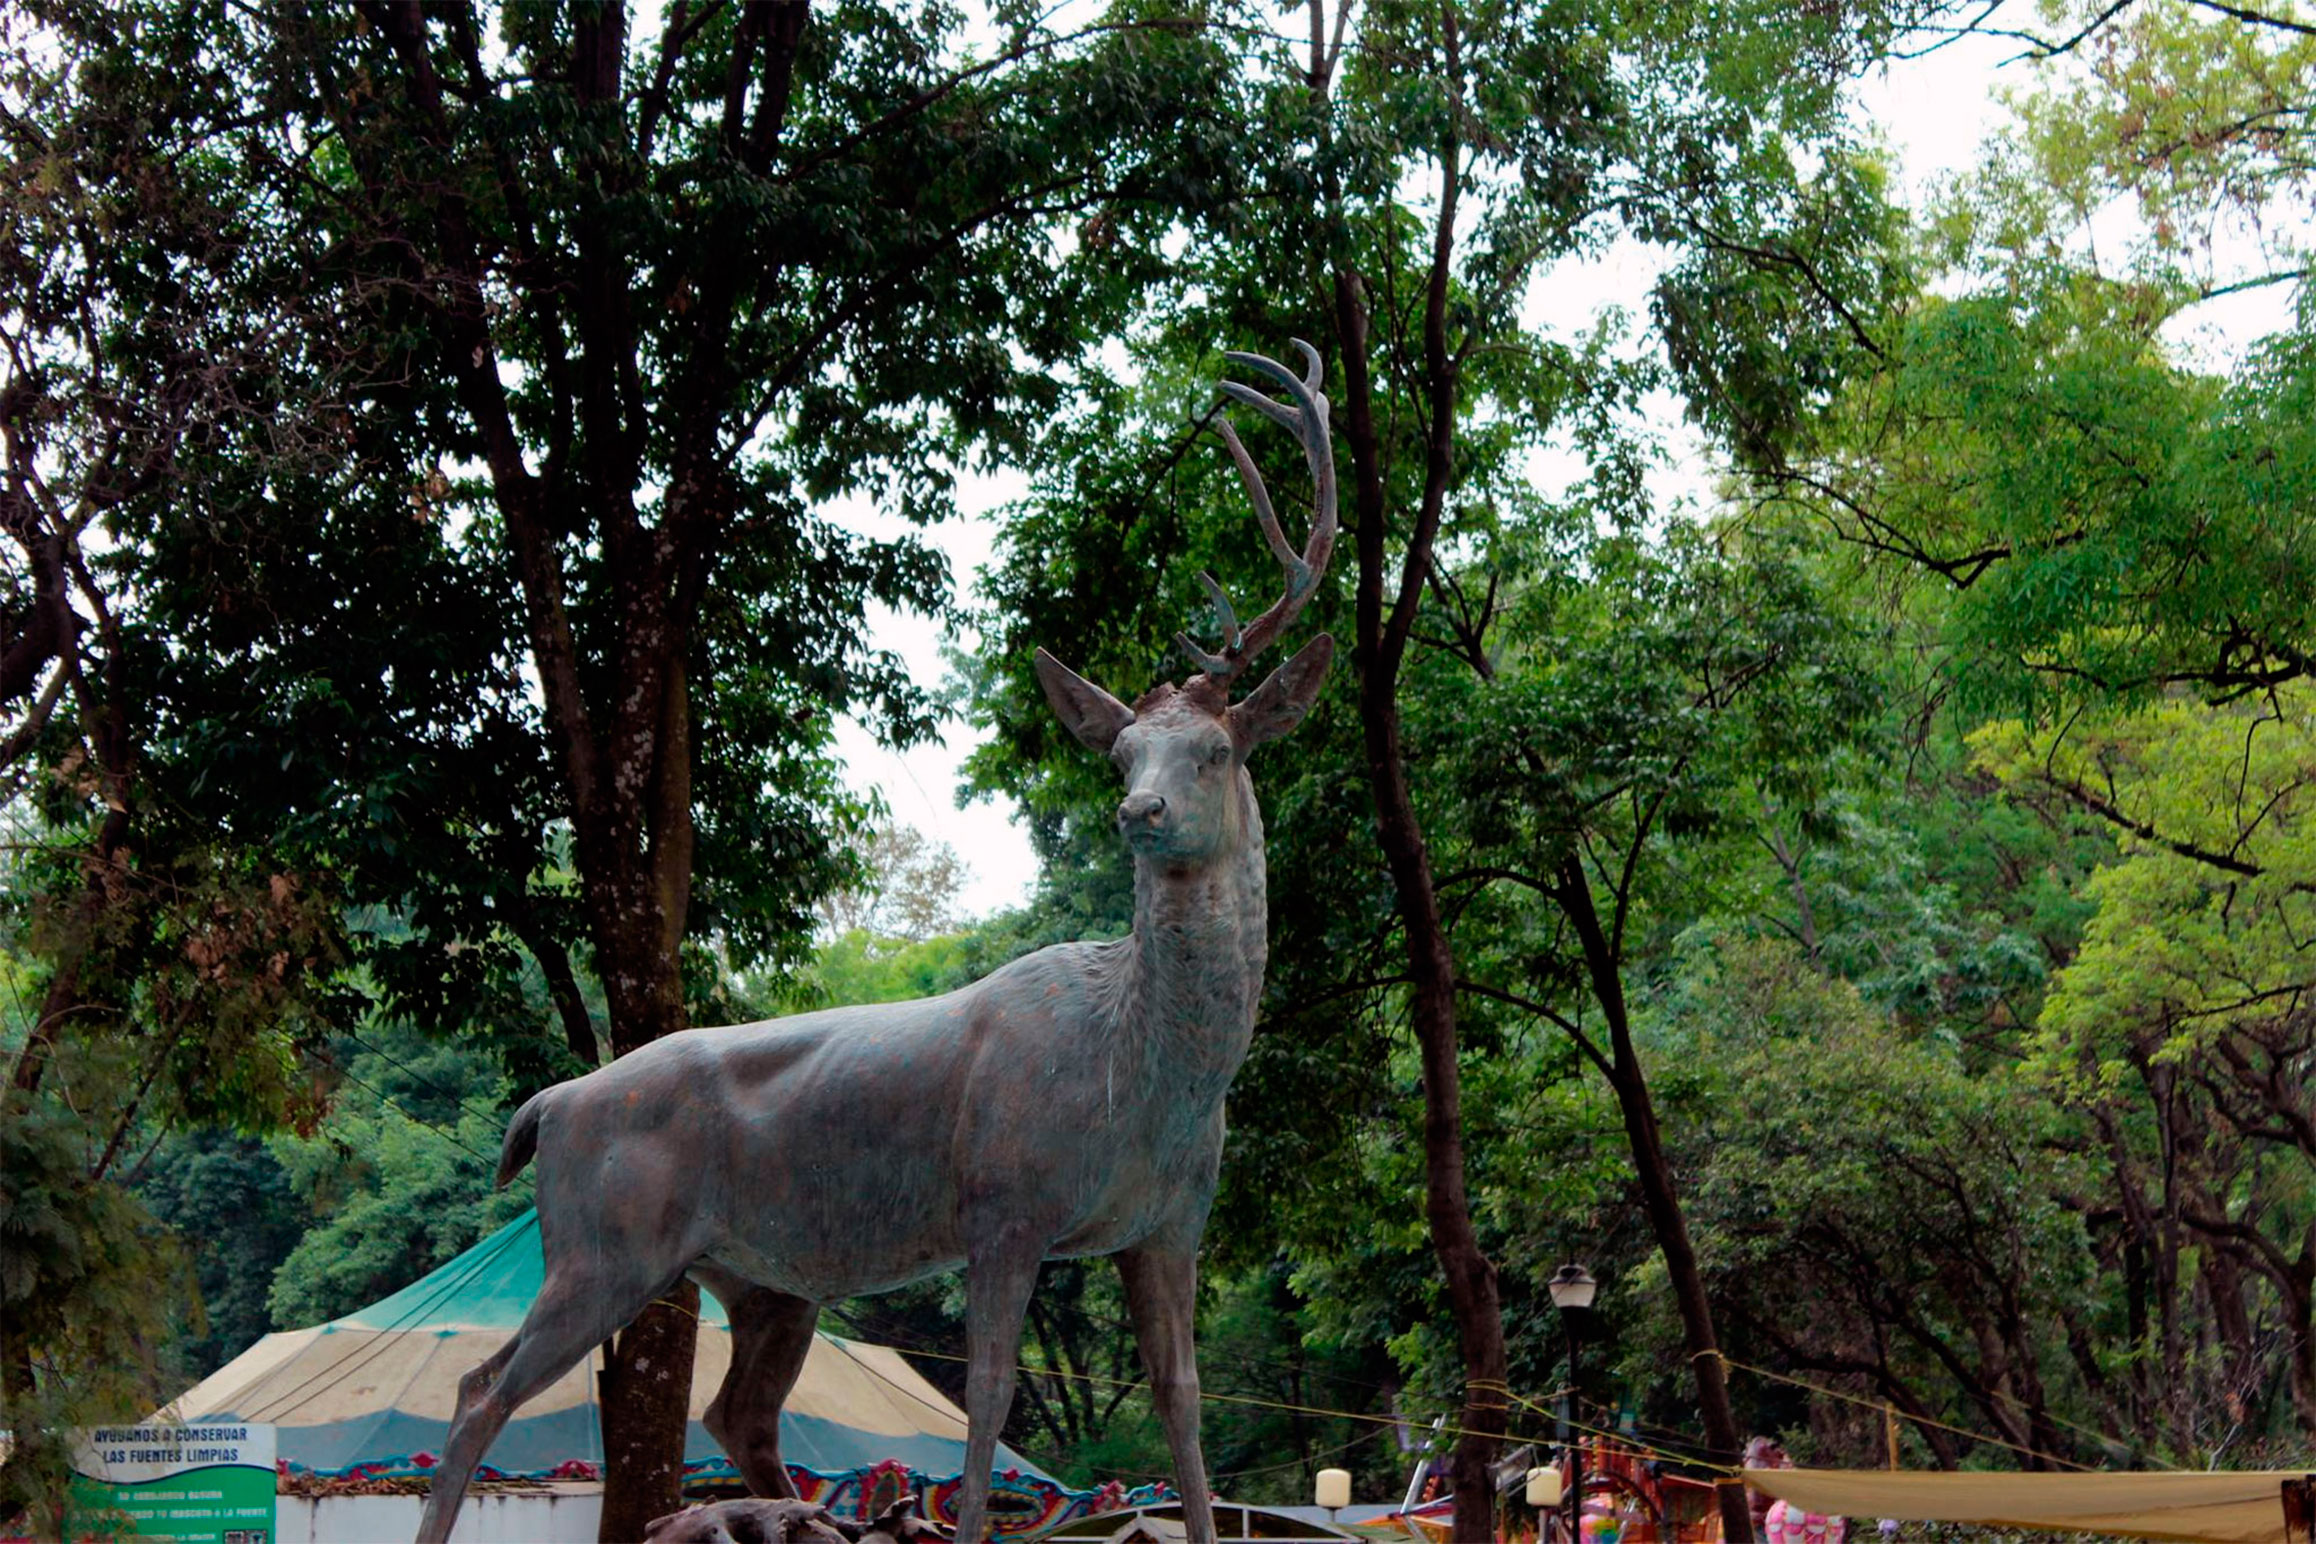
574	1312
771	1336
1162	1298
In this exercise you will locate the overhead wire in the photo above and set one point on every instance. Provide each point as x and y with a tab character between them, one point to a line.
416	1076
1649	1447
1728	1361
885	1335
1622	1442
294	1396
1107	1322
290	1399
1625	1442
2101	1438
1617	1441
947	1412
1338	1450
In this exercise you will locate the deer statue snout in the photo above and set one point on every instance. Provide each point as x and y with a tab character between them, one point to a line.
1141	808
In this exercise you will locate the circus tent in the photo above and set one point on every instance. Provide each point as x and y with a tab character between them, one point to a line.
372	1393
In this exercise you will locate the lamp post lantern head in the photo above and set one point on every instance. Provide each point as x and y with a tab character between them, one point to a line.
1333	1489
1572	1287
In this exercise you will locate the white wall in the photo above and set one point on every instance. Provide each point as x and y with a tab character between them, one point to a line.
564	1515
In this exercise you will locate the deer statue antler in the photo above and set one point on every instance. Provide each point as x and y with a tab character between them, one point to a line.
1308	418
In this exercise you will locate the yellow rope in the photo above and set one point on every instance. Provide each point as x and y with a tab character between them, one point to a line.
1623	1443
2099	1437
1625	1440
1919	1420
1484	1386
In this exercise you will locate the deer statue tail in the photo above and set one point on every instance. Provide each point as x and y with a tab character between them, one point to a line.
522	1138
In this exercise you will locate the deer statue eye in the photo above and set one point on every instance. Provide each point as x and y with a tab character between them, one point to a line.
1217	756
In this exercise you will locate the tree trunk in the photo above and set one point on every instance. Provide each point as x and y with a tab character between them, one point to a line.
1663	1205
1471	1277
2300	1309
1382	630
554	963
647	1375
647	1378
1659	1196
646	1399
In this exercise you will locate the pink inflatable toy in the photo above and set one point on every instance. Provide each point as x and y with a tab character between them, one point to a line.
1789	1524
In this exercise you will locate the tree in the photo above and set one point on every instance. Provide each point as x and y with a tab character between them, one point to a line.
176	976
2191	994
910	892
631	308
230	1202
84	1286
2105	517
2100	530
1616	123
398	1178
1859	1201
1648	717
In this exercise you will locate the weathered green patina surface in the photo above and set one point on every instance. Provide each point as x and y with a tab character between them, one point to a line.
1069	1104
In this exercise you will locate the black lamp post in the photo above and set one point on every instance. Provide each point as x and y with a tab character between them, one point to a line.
1572	1288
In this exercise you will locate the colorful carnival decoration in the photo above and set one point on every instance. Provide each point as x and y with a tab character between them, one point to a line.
1020	1504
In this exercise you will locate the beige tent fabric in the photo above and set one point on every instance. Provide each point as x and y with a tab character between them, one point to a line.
2244	1507
330	1373
869	1388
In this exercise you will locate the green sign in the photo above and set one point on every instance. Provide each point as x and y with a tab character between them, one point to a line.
180	1484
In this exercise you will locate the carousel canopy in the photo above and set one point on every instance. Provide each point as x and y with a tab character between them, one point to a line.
375	1390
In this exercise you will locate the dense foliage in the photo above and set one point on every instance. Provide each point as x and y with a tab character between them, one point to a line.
1863	910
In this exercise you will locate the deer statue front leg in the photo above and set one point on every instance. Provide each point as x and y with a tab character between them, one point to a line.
1162	1298
998	1282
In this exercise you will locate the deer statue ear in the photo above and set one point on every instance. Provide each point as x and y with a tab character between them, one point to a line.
1087	711
1279	704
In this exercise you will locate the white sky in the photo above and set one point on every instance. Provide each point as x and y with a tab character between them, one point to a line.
920	786
1935	111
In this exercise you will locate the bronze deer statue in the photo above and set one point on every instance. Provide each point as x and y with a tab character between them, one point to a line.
1069	1104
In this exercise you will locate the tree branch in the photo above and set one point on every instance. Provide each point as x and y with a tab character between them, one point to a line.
1545	1011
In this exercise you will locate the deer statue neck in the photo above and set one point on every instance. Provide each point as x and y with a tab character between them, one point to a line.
1201	941
1181	995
